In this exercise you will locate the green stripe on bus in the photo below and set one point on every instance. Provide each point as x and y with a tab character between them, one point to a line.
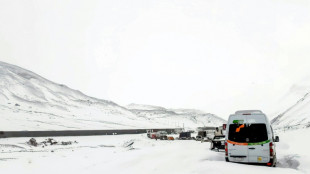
238	121
259	143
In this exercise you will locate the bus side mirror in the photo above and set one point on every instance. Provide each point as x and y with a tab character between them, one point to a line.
276	139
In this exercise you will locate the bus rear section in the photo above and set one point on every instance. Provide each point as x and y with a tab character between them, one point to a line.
247	139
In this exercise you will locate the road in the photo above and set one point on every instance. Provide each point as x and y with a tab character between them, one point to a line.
54	133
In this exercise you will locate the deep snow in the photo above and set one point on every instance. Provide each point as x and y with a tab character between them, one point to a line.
109	154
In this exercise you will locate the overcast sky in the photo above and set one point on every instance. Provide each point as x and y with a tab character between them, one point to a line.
218	56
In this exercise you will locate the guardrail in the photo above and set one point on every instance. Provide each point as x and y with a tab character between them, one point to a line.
9	134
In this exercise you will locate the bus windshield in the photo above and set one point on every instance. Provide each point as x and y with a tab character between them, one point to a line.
247	133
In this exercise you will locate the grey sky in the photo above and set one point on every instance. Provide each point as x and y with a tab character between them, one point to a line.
218	56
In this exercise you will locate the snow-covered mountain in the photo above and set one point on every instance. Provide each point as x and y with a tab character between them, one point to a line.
294	108
31	102
176	117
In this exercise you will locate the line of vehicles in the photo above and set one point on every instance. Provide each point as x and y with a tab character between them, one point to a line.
247	137
162	135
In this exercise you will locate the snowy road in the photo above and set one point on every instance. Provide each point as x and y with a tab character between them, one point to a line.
109	154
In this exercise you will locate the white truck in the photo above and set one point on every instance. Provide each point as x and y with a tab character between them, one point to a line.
250	139
161	135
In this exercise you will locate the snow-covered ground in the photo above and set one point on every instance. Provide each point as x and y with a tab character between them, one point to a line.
110	154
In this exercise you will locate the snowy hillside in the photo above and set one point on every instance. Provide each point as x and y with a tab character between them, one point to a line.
294	108
176	117
30	102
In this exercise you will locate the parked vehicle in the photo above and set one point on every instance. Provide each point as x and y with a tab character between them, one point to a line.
218	142
185	136
153	136
161	135
199	138
148	133
157	135
201	135
250	138
170	138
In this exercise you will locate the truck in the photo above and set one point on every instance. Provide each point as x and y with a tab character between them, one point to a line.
162	135
185	136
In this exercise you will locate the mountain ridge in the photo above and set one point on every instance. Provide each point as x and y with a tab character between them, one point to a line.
31	102
295	107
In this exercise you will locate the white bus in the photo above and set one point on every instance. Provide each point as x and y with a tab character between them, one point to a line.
250	139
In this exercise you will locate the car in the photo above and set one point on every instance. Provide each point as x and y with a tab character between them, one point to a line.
250	138
218	142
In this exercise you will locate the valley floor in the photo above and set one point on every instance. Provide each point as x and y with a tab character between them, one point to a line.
113	154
